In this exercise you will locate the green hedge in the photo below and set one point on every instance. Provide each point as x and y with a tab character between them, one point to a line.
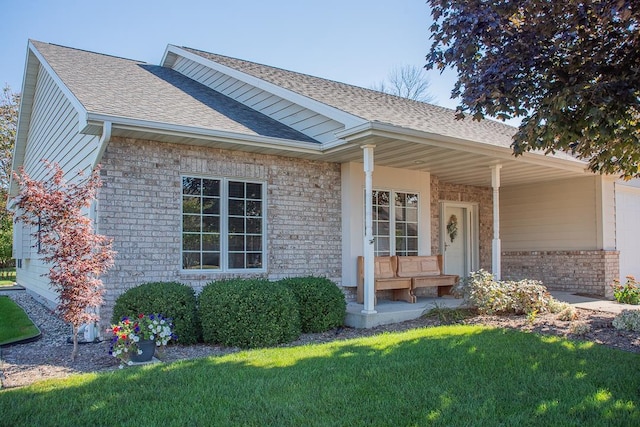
248	313
321	303
171	299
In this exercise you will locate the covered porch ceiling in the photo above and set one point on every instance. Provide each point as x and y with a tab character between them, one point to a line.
460	166
454	160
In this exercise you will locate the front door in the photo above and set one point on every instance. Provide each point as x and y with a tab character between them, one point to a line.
458	241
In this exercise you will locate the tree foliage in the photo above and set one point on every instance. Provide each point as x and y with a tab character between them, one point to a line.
77	256
570	69
406	81
9	106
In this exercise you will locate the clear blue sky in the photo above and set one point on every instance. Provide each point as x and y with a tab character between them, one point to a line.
352	41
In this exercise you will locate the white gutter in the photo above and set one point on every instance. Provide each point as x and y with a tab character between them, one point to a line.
125	123
102	144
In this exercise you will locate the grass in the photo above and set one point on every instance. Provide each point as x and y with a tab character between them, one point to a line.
7	277
450	375
15	325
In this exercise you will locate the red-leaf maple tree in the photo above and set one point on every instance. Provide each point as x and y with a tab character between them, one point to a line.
76	255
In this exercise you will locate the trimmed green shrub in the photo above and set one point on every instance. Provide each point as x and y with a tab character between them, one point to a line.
248	313
173	300
321	303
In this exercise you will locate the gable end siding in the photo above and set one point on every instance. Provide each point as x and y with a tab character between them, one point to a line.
310	123
53	133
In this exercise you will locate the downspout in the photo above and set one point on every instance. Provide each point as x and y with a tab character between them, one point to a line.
90	330
102	144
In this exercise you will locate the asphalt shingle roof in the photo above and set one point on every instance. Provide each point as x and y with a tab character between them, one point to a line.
133	89
373	105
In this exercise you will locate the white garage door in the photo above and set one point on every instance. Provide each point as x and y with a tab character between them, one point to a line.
628	230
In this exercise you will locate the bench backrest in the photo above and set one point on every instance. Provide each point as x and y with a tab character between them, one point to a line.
384	267
419	266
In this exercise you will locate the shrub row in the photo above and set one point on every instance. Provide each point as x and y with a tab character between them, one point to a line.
240	312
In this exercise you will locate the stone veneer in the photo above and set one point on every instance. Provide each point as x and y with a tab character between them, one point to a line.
139	207
589	272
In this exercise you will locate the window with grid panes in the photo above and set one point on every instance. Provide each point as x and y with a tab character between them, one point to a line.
395	225
222	224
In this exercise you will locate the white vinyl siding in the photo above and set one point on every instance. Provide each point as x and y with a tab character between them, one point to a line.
310	123
557	215
628	229
53	133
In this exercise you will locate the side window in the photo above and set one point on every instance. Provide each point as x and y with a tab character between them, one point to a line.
222	224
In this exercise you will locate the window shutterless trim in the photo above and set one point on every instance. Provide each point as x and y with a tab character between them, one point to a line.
224	227
392	220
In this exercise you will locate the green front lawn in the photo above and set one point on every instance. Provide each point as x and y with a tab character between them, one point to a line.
15	325
448	376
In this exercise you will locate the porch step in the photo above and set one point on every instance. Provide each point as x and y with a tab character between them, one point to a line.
389	312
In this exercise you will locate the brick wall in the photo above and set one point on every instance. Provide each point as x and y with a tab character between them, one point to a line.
588	272
139	206
483	196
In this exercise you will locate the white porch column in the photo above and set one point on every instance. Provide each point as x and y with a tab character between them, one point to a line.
369	290
496	253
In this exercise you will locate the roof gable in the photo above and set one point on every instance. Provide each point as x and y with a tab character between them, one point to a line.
371	105
124	88
314	119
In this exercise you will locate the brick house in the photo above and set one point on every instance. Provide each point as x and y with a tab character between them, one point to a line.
215	167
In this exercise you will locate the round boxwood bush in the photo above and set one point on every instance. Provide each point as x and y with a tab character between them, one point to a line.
321	303
248	313
174	300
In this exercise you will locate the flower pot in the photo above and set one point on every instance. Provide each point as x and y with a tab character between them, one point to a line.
148	348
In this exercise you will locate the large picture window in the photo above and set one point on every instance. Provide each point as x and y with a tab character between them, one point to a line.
222	224
395	223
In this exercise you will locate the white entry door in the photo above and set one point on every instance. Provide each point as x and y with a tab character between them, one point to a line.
458	238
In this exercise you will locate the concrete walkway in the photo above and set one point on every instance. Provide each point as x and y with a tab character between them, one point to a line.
389	312
589	303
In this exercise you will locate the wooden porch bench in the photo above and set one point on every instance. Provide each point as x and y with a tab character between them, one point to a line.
426	271
385	278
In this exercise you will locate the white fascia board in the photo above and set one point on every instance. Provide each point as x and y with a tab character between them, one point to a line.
349	120
24	117
29	81
75	102
126	123
383	129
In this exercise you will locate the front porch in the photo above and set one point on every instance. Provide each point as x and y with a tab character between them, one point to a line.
388	312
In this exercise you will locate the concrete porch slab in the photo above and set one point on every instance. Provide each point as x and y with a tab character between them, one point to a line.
388	312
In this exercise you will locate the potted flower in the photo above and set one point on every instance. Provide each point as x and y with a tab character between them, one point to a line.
135	339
